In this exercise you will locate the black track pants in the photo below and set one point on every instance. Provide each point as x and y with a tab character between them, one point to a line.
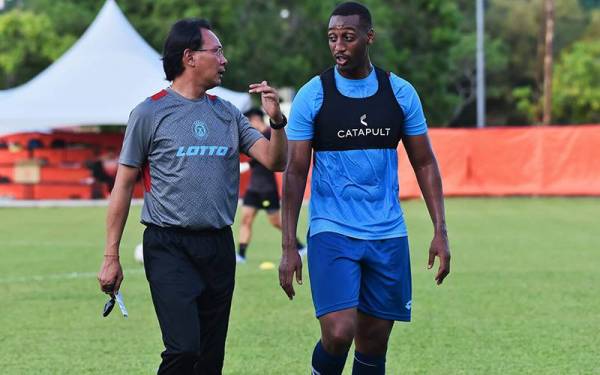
191	276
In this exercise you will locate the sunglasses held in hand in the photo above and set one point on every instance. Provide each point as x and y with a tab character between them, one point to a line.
110	304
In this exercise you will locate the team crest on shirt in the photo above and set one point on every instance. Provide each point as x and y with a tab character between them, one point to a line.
200	129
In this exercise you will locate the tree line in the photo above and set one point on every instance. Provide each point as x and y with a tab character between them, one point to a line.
431	43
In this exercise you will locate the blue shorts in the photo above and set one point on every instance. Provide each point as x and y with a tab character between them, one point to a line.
371	275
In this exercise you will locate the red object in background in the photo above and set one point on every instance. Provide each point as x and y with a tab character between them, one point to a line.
63	155
244	177
557	160
65	175
138	190
45	191
11	157
61	191
540	160
16	191
105	140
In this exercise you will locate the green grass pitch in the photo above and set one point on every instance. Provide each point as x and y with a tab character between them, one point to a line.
523	296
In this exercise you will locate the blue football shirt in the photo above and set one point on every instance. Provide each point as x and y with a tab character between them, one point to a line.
355	192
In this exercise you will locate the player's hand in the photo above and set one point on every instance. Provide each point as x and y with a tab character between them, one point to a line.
440	248
290	263
270	100
110	275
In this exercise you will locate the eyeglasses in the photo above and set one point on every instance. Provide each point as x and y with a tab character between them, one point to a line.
116	298
217	51
108	306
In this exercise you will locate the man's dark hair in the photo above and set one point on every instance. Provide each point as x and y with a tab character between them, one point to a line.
254	111
351	8
186	33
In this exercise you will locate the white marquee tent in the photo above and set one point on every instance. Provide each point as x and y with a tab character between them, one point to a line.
98	81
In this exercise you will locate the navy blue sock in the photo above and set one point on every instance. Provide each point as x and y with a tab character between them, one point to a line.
368	365
324	363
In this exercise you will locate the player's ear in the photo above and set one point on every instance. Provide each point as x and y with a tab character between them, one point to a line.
370	36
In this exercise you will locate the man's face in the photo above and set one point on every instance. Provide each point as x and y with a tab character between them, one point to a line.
209	64
348	41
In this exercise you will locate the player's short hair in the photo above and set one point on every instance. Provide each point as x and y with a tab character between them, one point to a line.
351	8
254	111
186	33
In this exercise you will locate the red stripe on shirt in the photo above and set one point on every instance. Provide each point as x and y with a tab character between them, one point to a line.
159	95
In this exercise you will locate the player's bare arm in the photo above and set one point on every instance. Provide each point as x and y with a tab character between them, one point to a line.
272	154
111	273
294	183
428	176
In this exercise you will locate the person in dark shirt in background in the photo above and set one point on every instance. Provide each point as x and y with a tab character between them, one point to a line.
262	193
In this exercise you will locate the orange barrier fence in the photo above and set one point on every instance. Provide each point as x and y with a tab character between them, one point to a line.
545	161
66	155
473	162
51	174
55	190
57	165
513	161
11	157
65	175
16	191
104	140
6	170
61	191
45	191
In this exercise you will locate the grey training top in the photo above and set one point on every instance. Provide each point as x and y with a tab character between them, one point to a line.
189	152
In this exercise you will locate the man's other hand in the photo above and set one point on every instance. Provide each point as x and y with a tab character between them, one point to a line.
440	248
290	263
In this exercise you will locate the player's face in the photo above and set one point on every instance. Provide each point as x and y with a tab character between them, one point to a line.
348	41
209	64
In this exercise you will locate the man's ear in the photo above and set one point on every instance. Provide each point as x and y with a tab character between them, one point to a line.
370	36
188	57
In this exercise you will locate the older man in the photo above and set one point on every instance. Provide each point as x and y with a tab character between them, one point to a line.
187	144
